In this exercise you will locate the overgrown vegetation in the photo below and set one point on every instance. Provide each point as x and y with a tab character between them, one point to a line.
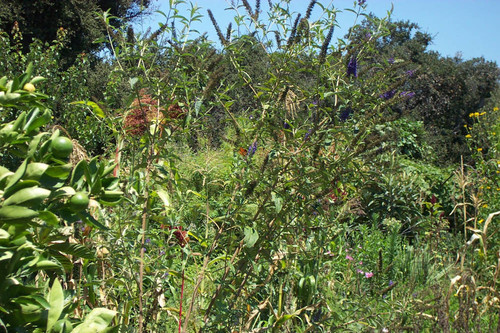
286	181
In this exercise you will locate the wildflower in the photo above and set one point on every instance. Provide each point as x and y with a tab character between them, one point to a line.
480	221
410	73
359	271
468	136
391	283
476	114
360	263
345	114
148	240
361	2
408	94
485	206
493	133
495	108
252	149
388	94
368	275
324	47
479	149
348	257
482	113
286	125
390	60
352	67
308	134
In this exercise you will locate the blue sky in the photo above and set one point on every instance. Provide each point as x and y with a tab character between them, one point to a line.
471	27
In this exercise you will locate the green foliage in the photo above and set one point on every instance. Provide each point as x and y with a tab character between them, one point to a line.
281	182
35	221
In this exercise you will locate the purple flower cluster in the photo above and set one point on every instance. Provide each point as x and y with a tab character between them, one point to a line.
388	94
352	67
390	60
345	114
361	2
410	73
252	149
308	134
407	94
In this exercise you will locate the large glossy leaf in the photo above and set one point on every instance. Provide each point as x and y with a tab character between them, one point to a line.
19	186
97	321
31	196
17	175
35	170
16	214
56	301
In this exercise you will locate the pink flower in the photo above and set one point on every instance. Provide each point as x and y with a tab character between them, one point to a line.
360	263
368	275
348	257
360	271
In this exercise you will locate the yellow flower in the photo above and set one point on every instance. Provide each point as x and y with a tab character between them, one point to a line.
485	206
476	114
468	136
471	115
479	149
480	221
482	113
493	133
495	108
488	187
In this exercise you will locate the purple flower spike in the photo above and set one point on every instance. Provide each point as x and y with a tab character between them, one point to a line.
252	149
390	60
388	94
308	134
410	73
352	67
345	114
407	94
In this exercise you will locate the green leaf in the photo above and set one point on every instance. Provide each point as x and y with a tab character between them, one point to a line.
78	174
35	170
49	218
132	81
251	237
31	196
56	301
16	214
73	249
96	109
97	321
278	202
38	122
47	265
59	171
19	186
17	175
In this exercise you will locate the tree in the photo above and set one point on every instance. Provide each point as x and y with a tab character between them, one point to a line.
444	90
43	19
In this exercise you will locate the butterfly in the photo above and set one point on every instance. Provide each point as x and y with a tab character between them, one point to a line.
242	152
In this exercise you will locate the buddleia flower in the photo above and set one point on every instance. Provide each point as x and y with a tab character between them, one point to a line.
352	67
